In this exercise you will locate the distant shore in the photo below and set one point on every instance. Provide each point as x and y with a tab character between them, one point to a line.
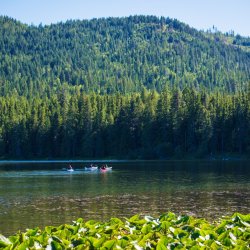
41	161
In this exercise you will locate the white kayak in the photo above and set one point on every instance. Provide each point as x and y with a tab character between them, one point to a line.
90	168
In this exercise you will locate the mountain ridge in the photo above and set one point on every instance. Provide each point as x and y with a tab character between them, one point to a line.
109	55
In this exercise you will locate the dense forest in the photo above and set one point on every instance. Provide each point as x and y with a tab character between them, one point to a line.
135	87
145	125
118	55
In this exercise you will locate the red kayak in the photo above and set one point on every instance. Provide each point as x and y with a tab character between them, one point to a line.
105	169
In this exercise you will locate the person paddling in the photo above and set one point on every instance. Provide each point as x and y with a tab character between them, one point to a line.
103	167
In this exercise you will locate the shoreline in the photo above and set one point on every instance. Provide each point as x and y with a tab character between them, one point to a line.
219	159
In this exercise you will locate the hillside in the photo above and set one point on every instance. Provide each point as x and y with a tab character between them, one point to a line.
135	87
118	55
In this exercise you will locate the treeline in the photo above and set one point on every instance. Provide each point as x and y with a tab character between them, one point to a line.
148	125
111	55
243	41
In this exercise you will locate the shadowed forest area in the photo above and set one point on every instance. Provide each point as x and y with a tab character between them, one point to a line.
145	125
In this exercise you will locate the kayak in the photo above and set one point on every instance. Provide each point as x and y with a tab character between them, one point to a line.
90	168
106	169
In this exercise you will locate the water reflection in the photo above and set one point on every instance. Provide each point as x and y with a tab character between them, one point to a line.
52	197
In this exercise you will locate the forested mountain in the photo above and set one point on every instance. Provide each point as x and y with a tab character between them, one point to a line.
118	55
134	87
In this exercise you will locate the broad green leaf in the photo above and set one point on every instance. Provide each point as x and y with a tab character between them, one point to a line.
134	218
78	242
179	233
80	220
195	235
32	232
81	247
182	219
116	221
4	241
123	242
148	236
23	246
215	246
227	242
55	245
165	225
168	217
49	229
146	228
57	239
163	240
161	246
197	248
109	244
98	242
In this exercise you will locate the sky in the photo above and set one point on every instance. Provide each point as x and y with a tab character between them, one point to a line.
225	15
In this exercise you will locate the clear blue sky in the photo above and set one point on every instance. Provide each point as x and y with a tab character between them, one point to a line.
226	15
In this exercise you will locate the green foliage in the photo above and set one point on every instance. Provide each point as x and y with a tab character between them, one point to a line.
134	87
149	125
111	55
166	232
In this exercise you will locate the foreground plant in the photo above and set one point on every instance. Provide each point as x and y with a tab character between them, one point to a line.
166	232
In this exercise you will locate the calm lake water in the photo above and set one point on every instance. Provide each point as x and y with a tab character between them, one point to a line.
34	194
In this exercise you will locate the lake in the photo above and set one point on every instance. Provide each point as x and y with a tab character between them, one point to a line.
41	194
